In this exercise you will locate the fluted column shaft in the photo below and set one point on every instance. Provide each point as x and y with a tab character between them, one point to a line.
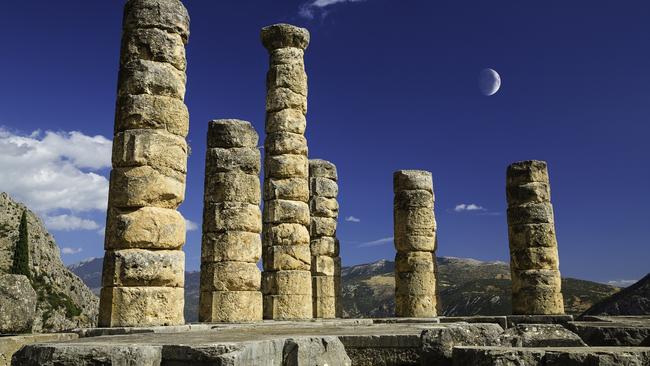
534	261
415	242
144	265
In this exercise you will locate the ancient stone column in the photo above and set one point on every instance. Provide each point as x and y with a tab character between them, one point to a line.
142	282
415	241
286	281
534	262
325	260
232	223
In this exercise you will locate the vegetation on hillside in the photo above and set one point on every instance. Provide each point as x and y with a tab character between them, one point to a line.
21	254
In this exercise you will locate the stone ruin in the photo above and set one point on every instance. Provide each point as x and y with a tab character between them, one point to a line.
144	264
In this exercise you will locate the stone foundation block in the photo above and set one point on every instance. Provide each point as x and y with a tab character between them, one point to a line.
285	211
153	78
145	186
323	187
230	276
294	189
233	187
287	283
230	306
170	16
139	267
236	159
286	166
280	143
324	207
405	180
286	120
285	234
287	307
415	306
287	257
153	44
232	216
152	112
145	228
414	262
236	246
410	243
141	306
156	148
322	226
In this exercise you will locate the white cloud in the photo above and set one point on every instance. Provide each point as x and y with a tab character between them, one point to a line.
69	223
308	10
352	219
191	225
376	243
101	231
468	207
67	250
55	170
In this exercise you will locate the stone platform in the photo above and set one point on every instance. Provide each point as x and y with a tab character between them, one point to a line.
389	341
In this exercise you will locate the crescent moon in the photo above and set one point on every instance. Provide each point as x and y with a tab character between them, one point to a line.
489	82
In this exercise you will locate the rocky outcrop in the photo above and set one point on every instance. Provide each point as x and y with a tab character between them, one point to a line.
63	300
540	335
633	300
17	304
439	342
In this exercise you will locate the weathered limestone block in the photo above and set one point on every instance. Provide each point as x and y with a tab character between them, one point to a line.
286	211
280	143
534	257
324	285
155	148
230	276
229	133
230	306
153	44
286	120
323	187
232	187
322	265
415	242
540	335
139	267
242	159
18	303
238	246
232	216
286	166
324	207
144	186
319	168
438	342
152	112
285	234
135	306
323	226
168	15
287	257
145	228
287	282
325	307
151	77
325	246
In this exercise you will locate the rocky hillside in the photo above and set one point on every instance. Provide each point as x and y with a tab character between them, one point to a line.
63	300
467	287
632	300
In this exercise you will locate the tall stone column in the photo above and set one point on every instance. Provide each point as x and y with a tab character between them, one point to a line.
415	241
142	281
325	260
534	262
232	223
286	281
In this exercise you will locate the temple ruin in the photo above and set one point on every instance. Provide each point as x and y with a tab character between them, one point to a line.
534	262
144	265
415	242
232	223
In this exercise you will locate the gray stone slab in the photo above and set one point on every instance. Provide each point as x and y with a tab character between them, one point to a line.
538	319
573	356
406	320
501	320
612	333
9	345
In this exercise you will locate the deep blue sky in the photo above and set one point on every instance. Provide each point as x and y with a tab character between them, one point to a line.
392	85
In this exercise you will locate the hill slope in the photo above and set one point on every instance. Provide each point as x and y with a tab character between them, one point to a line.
632	300
64	301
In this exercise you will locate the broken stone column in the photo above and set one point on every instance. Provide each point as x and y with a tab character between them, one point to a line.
144	265
415	241
325	260
286	281
232	223
534	262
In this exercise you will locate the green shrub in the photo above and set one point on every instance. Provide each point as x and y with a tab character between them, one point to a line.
21	254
